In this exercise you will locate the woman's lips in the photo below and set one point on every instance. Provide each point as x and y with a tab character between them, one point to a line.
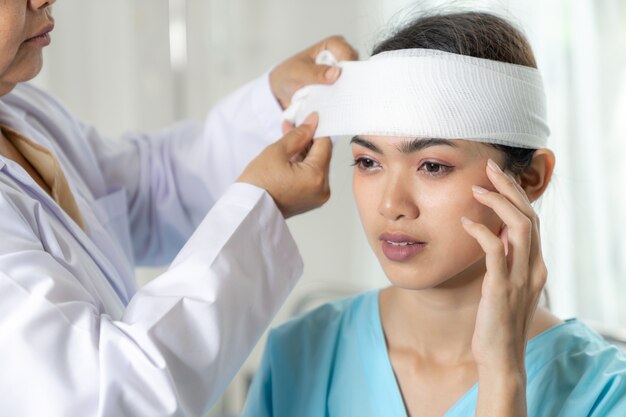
42	38
399	247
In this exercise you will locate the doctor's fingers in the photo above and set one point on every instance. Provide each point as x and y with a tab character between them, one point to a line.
301	69
341	50
312	173
286	127
297	141
339	47
319	155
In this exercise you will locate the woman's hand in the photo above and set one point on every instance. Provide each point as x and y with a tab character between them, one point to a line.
516	274
301	70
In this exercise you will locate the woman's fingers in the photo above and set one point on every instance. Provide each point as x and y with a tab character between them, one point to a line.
495	257
510	203
508	187
518	227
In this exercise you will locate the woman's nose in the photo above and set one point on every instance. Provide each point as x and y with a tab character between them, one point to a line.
397	201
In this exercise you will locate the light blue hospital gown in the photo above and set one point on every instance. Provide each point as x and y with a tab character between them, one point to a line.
333	362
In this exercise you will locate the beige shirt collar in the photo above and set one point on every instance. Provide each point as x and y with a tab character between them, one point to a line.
48	167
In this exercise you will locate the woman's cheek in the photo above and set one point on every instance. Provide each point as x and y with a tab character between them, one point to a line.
365	194
449	205
451	202
485	215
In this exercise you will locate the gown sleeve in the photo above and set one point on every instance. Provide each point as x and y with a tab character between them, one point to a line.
260	395
612	399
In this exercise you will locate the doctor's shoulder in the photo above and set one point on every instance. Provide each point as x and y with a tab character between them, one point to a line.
41	117
33	101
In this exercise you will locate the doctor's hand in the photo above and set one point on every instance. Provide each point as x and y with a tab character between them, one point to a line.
301	70
294	169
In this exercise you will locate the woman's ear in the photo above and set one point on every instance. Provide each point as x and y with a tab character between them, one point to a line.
536	178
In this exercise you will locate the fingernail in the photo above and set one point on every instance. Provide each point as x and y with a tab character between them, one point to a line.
465	220
479	190
494	167
332	73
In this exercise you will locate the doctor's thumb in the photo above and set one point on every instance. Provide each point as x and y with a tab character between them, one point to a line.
297	140
320	153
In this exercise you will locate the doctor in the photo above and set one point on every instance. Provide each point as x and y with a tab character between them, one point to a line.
78	212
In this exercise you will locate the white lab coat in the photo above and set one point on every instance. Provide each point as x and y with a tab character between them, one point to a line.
76	336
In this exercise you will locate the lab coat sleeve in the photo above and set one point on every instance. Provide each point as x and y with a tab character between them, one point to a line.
174	176
181	338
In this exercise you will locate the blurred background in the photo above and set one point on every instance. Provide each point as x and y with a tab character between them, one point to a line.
143	64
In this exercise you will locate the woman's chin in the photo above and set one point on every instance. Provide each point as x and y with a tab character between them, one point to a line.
413	277
413	280
6	87
25	70
34	69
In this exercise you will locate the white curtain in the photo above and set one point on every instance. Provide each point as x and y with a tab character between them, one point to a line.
580	46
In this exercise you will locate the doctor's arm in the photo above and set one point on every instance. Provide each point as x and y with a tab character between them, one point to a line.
67	350
174	176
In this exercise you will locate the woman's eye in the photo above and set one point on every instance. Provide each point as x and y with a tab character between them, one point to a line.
365	163
434	168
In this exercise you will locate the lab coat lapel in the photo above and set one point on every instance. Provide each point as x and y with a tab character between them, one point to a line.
115	281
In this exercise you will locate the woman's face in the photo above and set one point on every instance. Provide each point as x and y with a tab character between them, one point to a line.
24	28
411	194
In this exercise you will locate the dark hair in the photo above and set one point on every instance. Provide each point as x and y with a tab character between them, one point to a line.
477	34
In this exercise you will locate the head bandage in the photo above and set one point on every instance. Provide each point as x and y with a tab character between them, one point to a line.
429	93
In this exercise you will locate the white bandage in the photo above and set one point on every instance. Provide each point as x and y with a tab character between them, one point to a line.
429	93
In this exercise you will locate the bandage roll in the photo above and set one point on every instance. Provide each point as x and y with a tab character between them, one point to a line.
431	94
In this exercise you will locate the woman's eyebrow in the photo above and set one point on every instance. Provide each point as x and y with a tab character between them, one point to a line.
418	144
411	146
362	142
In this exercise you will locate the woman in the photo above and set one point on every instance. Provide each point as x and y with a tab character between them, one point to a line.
458	333
78	212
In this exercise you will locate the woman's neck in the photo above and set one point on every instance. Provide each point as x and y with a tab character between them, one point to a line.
437	324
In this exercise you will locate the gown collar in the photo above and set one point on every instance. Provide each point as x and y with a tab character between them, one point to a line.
387	385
